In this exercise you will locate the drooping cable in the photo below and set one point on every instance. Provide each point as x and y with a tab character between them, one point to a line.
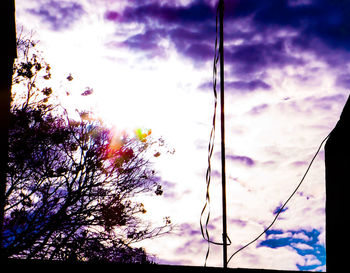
285	203
204	229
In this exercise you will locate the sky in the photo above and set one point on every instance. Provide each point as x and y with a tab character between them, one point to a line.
150	63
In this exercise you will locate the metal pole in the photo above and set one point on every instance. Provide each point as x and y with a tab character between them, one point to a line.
223	162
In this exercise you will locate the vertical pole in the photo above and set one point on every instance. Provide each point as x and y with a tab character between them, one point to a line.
223	162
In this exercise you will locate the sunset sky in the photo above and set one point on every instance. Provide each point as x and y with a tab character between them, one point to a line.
149	63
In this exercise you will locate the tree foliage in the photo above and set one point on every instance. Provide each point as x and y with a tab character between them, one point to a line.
71	182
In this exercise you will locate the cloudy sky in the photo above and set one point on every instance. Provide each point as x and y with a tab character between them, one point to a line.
149	62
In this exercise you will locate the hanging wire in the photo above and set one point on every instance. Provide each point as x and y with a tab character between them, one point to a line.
285	203
204	230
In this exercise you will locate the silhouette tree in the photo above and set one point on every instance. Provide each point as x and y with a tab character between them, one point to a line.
72	183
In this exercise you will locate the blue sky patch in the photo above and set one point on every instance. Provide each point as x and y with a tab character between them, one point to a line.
304	242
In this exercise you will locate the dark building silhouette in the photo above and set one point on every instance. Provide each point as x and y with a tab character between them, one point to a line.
117	267
8	53
337	152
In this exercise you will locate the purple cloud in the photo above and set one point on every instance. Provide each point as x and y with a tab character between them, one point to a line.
248	85
241	86
194	240
326	102
343	81
327	20
206	86
259	109
188	27
187	229
238	222
192	30
59	15
155	11
258	56
111	15
241	159
169	189
215	173
199	52
299	163
147	41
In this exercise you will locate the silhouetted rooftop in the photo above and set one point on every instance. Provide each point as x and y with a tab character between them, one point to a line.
36	264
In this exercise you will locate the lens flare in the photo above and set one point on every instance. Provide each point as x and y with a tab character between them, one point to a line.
142	134
118	148
116	140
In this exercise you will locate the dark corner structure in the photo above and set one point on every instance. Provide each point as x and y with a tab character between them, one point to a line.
8	53
337	152
337	157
